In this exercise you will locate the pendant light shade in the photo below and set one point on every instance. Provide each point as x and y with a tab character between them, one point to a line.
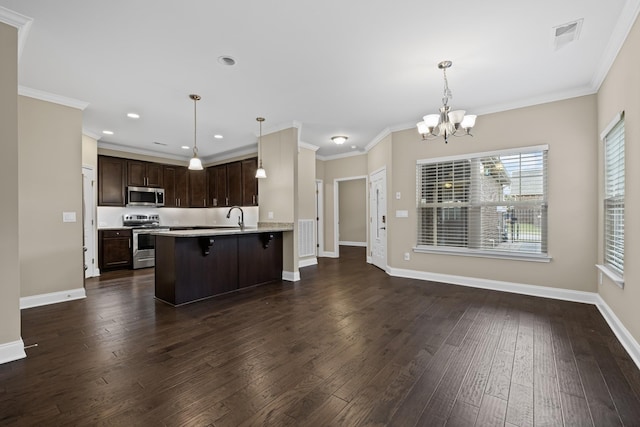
260	173
195	164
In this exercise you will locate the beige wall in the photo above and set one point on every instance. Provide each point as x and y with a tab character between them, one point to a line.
621	92
279	191
50	183
90	152
352	208
347	167
9	243
572	214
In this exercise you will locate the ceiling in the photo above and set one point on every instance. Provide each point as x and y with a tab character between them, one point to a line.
356	68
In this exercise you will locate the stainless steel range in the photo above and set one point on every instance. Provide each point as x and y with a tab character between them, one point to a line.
144	241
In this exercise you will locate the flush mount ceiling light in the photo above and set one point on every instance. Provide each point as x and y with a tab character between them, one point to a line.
260	173
195	164
447	122
339	139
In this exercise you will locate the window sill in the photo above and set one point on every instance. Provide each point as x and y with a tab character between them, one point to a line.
484	254
615	277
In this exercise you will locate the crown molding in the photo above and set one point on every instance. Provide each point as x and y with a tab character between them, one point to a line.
21	22
341	156
626	20
236	152
266	130
378	138
52	97
132	150
91	134
308	146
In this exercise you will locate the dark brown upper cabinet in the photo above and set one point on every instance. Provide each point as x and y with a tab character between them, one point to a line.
144	174
176	186
112	176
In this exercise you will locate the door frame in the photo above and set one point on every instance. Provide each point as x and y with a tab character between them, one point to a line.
370	222
89	206
336	209
319	218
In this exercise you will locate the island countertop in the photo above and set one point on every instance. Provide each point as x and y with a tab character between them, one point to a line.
225	231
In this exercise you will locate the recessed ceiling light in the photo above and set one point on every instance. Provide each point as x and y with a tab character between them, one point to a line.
107	132
133	115
218	136
185	147
227	60
353	147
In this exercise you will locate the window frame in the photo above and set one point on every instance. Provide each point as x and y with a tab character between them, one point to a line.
613	272
483	252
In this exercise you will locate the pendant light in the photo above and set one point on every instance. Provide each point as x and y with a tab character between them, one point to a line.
260	173
195	164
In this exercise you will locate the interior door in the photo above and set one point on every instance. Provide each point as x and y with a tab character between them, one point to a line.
378	219
88	221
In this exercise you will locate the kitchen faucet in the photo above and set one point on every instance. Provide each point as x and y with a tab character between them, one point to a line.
240	218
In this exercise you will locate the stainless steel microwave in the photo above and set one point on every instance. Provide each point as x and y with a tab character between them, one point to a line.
145	196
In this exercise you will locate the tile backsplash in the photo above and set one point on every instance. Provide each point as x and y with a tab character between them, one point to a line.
112	216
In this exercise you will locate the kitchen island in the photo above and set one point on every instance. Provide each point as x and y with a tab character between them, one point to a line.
201	263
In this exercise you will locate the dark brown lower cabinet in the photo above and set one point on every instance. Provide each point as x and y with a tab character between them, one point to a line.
114	249
192	268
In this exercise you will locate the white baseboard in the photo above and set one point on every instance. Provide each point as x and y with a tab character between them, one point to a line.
291	276
52	298
622	333
369	260
307	262
328	255
359	244
12	351
496	285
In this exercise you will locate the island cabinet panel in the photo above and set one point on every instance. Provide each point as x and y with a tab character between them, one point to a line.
184	274
193	267
260	258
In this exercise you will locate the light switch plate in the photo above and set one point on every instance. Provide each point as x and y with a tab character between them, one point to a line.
398	195
402	214
270	215
68	217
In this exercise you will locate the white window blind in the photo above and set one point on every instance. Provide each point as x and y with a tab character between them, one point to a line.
485	202
614	198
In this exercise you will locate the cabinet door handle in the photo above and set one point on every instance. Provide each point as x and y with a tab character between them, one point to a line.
254	199
227	200
129	243
204	202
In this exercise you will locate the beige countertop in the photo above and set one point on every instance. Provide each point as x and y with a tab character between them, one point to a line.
221	231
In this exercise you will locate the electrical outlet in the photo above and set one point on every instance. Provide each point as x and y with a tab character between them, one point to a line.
407	256
270	215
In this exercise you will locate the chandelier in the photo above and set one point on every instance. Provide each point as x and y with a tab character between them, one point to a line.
446	123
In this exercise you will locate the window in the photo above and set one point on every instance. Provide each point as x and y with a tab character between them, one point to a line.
491	204
614	198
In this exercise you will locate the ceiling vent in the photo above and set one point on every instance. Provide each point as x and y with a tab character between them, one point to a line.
566	33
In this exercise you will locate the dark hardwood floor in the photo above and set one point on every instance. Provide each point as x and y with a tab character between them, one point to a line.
347	345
